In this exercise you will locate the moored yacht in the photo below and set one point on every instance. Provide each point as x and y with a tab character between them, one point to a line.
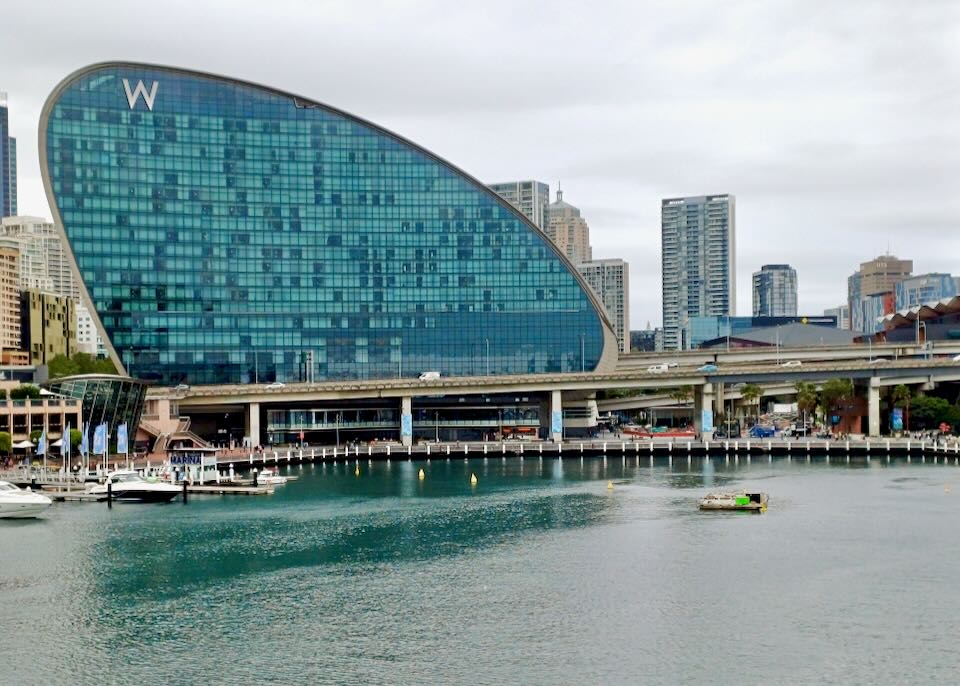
16	503
129	485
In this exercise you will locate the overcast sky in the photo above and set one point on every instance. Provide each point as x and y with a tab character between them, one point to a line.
835	124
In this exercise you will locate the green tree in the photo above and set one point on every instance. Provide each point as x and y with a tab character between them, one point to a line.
61	365
75	437
682	394
24	391
6	443
35	436
901	397
806	398
930	412
752	393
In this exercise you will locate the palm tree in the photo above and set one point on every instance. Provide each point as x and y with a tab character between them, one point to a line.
752	394
806	398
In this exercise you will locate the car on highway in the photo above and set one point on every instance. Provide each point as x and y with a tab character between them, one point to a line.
791	363
956	358
181	387
658	369
877	360
276	384
708	368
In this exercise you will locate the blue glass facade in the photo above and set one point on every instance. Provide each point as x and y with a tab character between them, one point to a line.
229	233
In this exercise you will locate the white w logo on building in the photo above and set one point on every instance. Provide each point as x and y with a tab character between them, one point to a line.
140	89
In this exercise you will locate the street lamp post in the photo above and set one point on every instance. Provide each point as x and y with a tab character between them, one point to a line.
338	416
436	424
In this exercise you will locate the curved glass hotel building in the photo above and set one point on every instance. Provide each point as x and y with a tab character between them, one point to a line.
231	233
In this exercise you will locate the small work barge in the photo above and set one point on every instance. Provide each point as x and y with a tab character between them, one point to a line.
735	502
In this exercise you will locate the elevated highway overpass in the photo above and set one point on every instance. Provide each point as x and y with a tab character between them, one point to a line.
709	387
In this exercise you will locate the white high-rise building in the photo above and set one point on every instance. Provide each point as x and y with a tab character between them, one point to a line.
88	340
610	280
775	291
698	241
842	313
530	197
43	262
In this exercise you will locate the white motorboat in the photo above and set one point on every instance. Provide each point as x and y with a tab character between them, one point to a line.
271	477
129	485
16	503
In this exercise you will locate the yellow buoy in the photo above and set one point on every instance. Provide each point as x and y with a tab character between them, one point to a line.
357	471
473	480
609	485
421	475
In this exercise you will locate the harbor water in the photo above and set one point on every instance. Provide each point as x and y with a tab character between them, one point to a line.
540	573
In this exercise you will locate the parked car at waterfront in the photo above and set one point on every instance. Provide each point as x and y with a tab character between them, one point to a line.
758	431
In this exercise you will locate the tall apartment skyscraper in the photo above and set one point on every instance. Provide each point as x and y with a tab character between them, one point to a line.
923	288
8	164
569	231
9	296
610	280
775	291
698	239
876	277
530	197
43	262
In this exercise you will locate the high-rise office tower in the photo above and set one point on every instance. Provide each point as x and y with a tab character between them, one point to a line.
610	280
8	163
530	197
876	277
698	241
569	231
775	291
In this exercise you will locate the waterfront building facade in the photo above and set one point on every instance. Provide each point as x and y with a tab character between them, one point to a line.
231	233
841	313
105	399
8	163
698	243
775	291
48	325
924	288
610	280
20	418
530	197
569	231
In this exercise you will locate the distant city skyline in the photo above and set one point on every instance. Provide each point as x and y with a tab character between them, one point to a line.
830	166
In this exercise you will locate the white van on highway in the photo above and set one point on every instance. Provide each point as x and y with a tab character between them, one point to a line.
429	376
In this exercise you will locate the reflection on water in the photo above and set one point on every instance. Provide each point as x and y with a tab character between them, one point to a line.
538	574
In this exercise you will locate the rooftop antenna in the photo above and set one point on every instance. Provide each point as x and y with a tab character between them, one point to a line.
559	192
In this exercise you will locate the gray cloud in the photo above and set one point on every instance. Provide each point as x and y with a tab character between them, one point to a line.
834	124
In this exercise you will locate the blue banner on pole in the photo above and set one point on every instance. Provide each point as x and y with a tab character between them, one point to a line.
896	419
406	425
42	444
65	442
100	440
556	422
84	440
122	439
706	420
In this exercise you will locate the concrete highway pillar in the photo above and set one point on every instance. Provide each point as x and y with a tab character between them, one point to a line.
704	408
873	407
719	399
556	416
253	424
406	420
